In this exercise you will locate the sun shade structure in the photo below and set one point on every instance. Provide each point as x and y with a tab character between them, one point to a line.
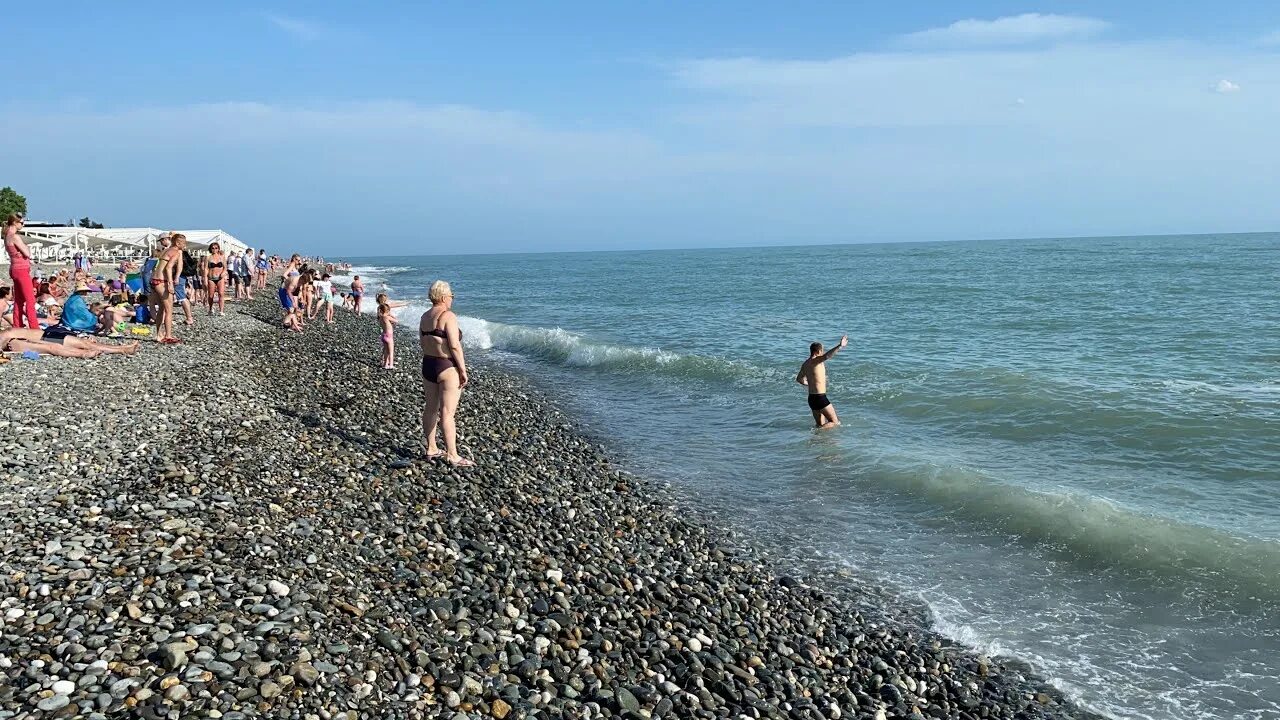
61	243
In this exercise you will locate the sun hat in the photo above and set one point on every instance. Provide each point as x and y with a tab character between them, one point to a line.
82	286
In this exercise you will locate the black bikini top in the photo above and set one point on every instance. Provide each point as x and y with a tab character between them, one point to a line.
439	332
215	265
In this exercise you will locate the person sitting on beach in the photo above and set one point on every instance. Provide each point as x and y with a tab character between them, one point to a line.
6	306
59	343
388	324
357	292
444	373
76	315
813	374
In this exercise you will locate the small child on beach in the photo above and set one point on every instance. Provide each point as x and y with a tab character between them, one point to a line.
388	336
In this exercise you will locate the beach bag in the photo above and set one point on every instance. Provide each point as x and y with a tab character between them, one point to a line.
141	314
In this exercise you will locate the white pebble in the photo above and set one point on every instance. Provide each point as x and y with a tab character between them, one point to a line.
278	588
64	687
694	644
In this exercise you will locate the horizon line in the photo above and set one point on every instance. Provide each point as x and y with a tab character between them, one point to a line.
820	245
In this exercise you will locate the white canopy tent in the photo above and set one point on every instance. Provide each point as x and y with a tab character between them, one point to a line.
61	243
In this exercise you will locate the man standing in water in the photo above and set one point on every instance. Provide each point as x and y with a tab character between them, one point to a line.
813	375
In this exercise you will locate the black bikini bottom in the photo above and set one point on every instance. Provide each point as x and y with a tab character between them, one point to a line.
434	367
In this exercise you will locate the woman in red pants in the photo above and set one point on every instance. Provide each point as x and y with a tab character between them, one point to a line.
24	296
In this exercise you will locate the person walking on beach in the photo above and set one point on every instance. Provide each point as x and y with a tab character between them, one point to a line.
245	272
357	292
813	375
444	373
24	294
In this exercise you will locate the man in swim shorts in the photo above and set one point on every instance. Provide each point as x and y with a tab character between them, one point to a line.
813	375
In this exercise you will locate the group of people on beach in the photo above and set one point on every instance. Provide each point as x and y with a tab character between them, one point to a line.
70	305
66	333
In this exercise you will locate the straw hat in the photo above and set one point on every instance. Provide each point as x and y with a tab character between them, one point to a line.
82	286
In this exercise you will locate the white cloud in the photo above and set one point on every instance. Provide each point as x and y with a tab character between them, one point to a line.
1225	86
1011	30
297	27
1062	86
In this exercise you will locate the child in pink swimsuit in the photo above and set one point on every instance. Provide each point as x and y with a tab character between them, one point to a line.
388	336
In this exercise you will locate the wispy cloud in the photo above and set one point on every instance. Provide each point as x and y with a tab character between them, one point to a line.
1011	30
297	27
1225	87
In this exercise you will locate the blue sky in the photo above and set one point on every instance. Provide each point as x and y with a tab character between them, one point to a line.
458	127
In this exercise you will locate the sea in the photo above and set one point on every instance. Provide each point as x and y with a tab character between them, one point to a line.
1067	450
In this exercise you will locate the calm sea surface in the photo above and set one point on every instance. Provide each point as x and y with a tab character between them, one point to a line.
1069	449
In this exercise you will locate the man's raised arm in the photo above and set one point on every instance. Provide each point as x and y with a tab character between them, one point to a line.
844	340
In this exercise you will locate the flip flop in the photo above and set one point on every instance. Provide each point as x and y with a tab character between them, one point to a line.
435	455
461	463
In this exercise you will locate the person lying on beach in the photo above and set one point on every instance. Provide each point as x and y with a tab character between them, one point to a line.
813	375
54	341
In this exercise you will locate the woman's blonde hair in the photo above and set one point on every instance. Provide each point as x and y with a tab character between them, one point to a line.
439	291
13	219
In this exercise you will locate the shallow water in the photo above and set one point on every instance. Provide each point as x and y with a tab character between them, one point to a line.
1068	449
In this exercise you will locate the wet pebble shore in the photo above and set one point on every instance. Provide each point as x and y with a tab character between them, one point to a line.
241	526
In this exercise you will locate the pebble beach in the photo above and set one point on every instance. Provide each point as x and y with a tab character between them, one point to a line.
243	526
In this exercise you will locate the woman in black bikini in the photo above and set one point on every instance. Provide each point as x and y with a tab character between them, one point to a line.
444	373
215	277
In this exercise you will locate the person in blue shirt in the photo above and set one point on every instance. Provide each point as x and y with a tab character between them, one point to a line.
76	314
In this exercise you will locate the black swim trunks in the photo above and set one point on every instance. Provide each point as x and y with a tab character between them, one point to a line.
818	401
55	334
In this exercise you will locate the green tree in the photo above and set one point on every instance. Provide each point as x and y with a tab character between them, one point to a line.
86	222
11	202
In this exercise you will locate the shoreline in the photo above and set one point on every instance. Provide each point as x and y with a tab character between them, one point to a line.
249	533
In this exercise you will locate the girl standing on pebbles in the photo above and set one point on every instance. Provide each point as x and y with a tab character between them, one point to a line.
444	373
388	324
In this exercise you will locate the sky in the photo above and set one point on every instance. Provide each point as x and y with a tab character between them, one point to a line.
450	127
